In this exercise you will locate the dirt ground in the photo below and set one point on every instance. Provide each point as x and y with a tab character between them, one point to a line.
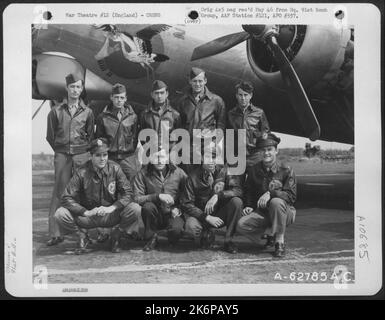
321	239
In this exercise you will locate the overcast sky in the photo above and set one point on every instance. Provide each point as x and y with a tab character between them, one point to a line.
39	127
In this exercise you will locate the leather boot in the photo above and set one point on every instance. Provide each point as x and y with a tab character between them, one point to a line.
152	244
280	250
115	238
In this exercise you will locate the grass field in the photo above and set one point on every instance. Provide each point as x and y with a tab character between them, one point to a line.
300	164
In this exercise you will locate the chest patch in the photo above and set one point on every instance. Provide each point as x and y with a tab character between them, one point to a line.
275	185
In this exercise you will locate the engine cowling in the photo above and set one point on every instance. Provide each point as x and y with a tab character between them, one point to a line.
48	78
314	51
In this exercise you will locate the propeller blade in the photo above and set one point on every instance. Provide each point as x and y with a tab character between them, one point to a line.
219	45
38	109
297	94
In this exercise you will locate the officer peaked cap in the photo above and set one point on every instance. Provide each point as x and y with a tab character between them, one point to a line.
271	140
71	78
98	146
118	89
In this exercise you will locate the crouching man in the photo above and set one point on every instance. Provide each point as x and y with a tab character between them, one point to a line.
212	199
98	195
157	187
271	191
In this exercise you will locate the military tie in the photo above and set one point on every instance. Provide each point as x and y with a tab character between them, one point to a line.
119	115
197	119
72	109
210	179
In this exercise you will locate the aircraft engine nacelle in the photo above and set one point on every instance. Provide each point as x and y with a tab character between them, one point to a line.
48	78
315	51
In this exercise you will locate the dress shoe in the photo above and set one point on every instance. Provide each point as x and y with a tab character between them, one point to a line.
54	241
115	238
280	250
84	242
270	240
230	247
151	245
102	237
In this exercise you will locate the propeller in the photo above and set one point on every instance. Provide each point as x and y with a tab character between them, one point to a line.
38	109
294	88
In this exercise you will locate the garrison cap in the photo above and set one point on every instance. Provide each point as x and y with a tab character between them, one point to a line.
195	72
98	145
118	89
158	84
245	86
71	78
271	140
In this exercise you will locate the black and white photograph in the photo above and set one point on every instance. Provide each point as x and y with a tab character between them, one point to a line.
191	153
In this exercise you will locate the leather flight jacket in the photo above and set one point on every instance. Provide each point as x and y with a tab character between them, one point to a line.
70	134
280	181
122	135
254	120
199	190
207	113
90	188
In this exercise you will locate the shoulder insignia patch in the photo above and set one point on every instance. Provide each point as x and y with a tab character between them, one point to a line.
112	187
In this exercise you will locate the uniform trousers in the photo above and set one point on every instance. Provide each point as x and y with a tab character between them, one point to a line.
124	217
155	219
65	165
277	217
229	212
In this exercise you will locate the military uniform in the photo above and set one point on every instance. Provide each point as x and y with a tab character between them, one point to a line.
121	132
280	181
205	112
90	188
201	185
250	118
208	112
70	130
152	117
254	120
148	184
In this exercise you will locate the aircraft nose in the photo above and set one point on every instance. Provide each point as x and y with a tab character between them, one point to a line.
96	87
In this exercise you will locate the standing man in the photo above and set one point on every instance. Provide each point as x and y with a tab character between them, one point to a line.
271	190
157	189
98	195
249	117
159	112
118	123
199	107
70	128
212	199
